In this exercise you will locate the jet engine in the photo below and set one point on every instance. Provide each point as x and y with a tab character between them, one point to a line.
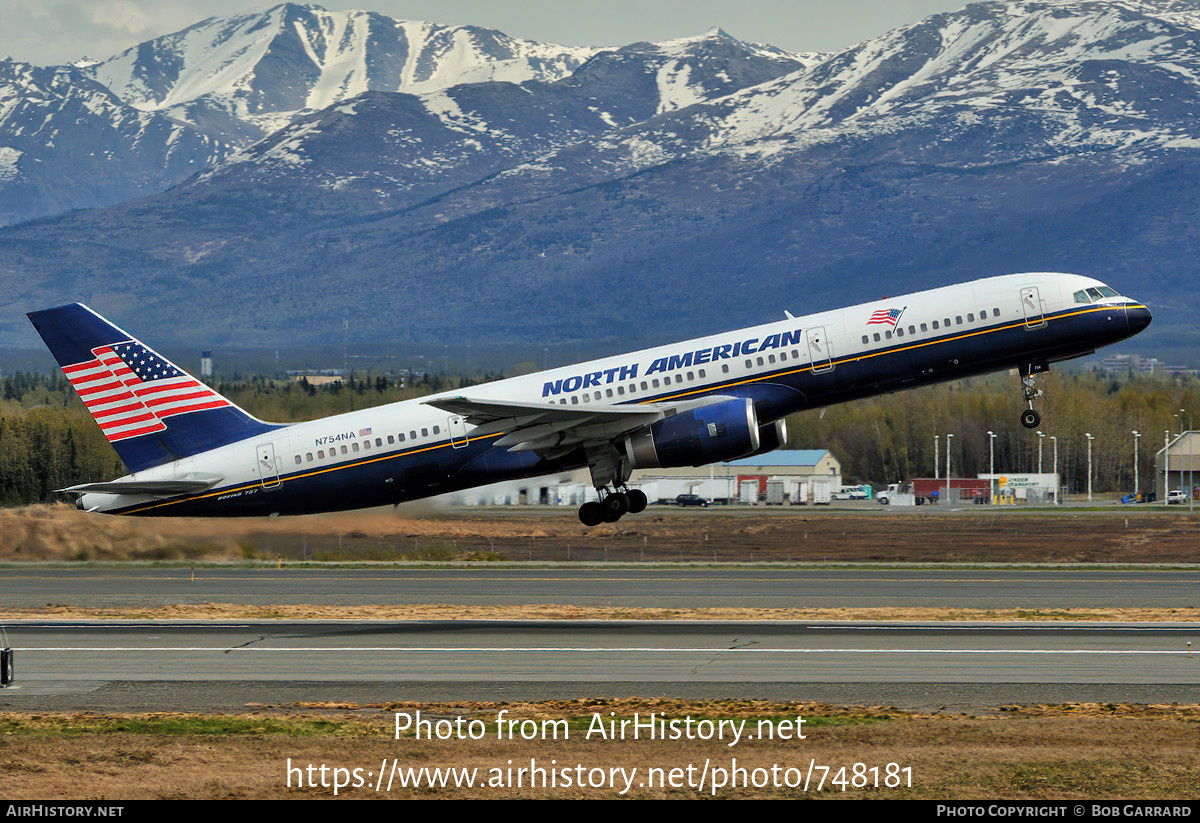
724	430
771	436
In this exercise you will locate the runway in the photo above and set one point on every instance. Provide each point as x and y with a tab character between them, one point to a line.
540	659
1045	587
141	665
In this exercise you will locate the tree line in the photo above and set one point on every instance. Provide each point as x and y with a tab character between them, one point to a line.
890	438
49	441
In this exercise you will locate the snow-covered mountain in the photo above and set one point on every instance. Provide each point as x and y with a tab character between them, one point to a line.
138	122
67	142
400	147
717	177
245	76
996	82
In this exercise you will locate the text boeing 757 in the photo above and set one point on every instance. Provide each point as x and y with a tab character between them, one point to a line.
191	451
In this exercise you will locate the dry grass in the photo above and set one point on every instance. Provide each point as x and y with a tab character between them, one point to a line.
1047	752
974	534
550	611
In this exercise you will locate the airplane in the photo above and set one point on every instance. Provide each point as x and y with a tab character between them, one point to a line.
190	451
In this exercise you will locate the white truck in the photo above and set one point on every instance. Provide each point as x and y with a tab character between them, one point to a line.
894	496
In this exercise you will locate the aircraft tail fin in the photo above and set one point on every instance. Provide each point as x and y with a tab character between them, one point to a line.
151	411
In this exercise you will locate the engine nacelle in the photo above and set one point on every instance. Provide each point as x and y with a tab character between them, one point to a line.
724	430
771	436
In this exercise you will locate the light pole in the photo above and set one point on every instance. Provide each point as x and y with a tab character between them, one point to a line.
1041	439
1166	468
1089	437
936	438
948	467
1191	492
1057	485
1137	435
992	466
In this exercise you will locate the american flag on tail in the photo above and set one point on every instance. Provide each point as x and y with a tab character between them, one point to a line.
887	317
129	390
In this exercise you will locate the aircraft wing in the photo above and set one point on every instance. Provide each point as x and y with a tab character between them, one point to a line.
550	426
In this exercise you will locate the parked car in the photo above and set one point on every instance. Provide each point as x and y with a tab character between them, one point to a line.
1176	496
850	493
691	500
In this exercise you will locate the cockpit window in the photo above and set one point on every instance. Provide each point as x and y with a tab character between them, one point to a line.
1095	293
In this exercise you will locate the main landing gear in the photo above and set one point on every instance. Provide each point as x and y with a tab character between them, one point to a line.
613	505
610	470
1030	419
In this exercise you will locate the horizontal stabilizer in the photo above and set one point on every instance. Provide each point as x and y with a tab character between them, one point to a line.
188	484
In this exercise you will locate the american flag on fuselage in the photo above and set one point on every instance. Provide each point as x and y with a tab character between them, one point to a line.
129	390
887	317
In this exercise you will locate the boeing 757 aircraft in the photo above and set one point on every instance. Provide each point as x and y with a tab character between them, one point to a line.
191	451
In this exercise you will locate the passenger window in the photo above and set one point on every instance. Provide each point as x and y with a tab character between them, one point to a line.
887	334
957	320
298	461
654	382
343	450
749	364
865	339
970	317
947	322
401	436
354	446
437	430
935	324
899	331
995	312
608	393
760	361
691	376
574	400
725	368
308	457
320	454
392	439
644	386
923	327
621	389
876	337
702	374
587	398
366	444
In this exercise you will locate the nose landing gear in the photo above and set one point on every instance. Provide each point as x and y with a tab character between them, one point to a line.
1030	419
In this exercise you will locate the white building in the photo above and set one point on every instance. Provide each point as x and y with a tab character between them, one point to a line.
1177	465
